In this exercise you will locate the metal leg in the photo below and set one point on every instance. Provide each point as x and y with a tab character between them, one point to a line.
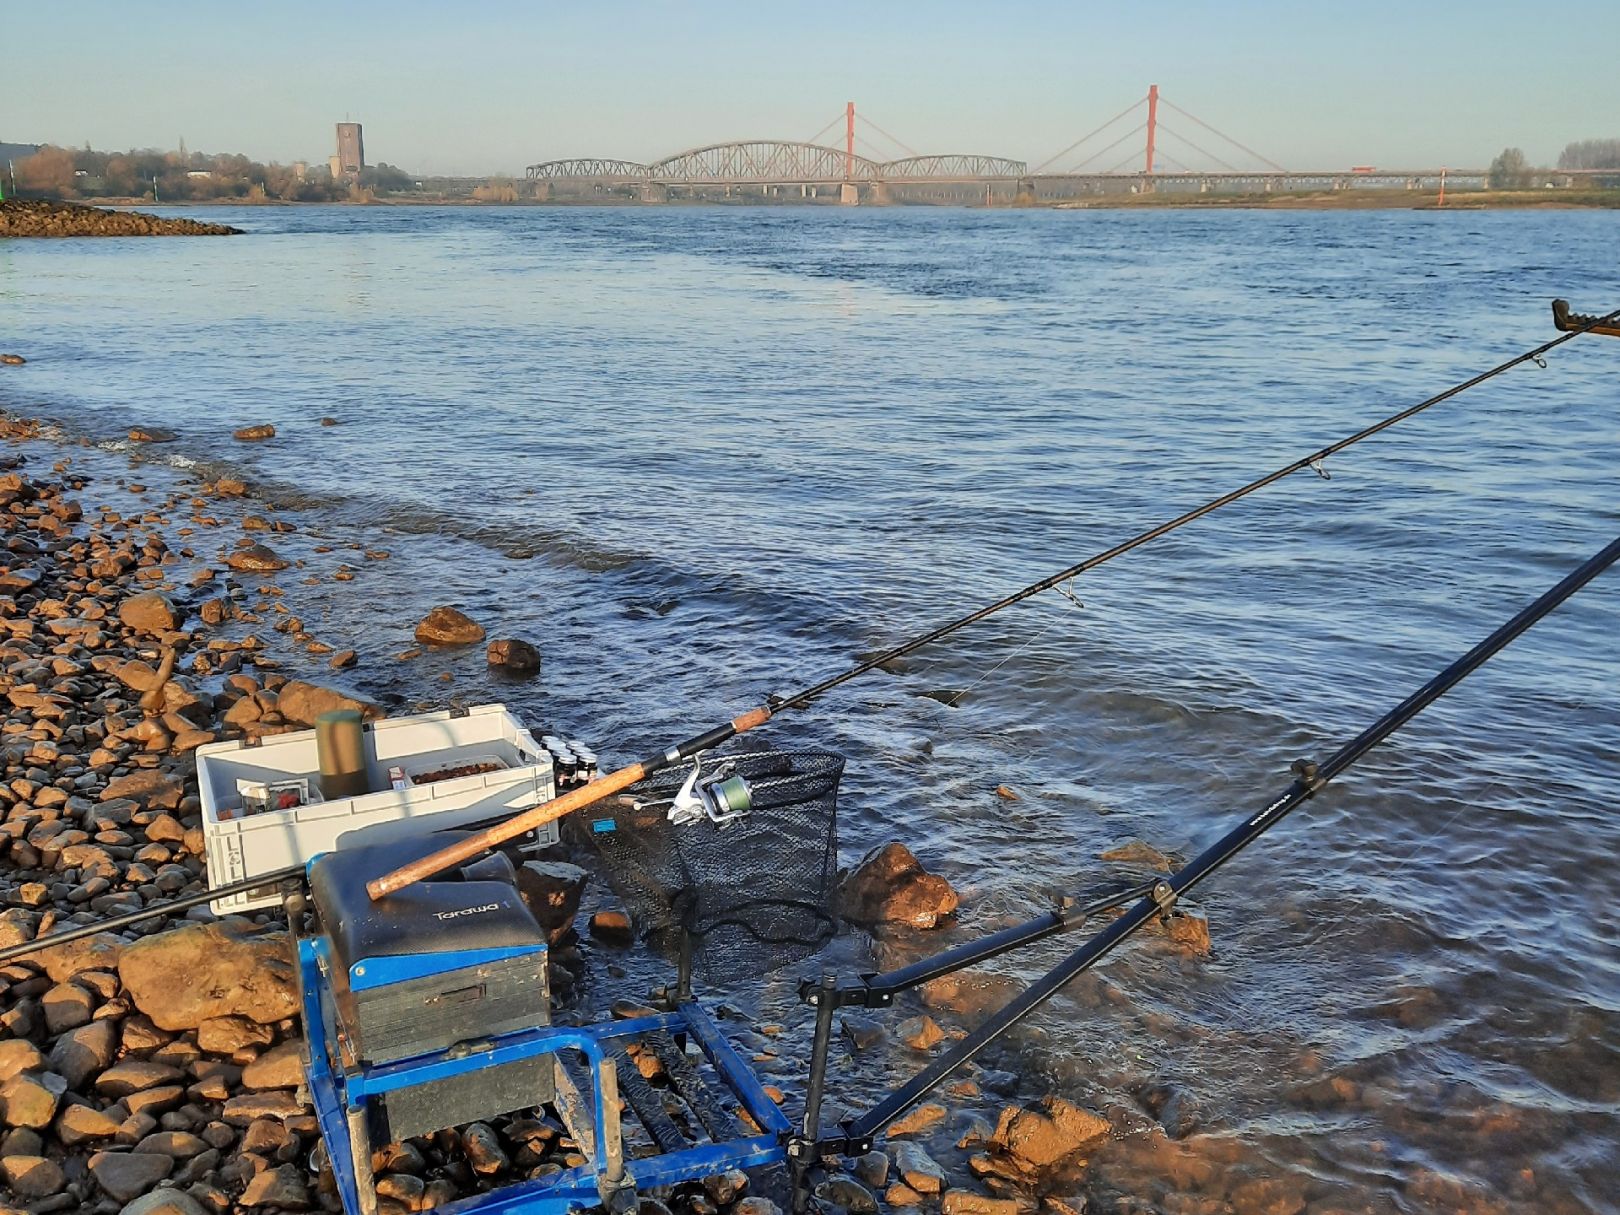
618	1192
360	1156
802	1152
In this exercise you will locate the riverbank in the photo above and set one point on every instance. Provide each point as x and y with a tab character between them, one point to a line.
28	218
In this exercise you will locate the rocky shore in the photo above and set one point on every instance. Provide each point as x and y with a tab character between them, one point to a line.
20	217
131	636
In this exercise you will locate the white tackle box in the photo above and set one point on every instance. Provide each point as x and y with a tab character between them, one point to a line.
242	845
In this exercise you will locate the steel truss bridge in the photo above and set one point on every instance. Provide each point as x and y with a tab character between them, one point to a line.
780	163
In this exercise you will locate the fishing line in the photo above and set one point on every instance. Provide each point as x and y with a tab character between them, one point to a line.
613	782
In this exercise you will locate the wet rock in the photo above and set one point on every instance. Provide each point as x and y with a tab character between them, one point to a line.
920	1032
1175	1108
403	1189
255	434
281	1186
279	1067
447	626
1007	793
192	974
975	1132
513	657
890	886
902	1195
1138	853
1041	1136
918	1169
873	1170
863	1032
127	1175
848	1193
152	613
30	1098
32	1176
1189	932
343	660
727	1187
302	703
150	434
329	421
552	891
256	558
960	1202
611	928
929	1114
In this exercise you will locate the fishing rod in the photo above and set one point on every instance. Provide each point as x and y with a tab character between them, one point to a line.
614	782
1158	902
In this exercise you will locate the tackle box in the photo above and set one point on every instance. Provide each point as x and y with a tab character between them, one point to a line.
241	846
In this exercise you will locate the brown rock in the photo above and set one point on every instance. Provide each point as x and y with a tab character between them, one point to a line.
255	558
282	1186
62	962
274	1103
890	886
303	702
1138	853
611	928
255	434
150	434
918	1169
30	1098
279	1067
133	1076
78	1124
127	1175
32	1176
960	1202
18	1055
514	657
447	626
147	786
929	1114
920	1033
85	1052
1038	1138
227	1035
343	660
189	975
151	612
552	891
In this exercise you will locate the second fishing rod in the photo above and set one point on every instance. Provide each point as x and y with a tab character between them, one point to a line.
623	778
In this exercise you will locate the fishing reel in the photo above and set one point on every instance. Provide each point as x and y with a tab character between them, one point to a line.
722	796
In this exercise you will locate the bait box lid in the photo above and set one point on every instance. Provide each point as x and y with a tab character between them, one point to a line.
240	845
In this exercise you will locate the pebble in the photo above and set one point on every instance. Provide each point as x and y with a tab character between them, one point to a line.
127	1175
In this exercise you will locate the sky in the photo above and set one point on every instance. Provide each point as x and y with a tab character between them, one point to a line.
480	87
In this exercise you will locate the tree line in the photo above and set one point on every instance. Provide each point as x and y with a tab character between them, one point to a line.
1512	170
68	173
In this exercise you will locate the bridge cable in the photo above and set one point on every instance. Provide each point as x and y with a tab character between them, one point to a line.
1199	150
1222	134
1131	134
1140	101
825	129
909	151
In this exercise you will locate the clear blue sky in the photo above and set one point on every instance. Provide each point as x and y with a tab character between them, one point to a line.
480	86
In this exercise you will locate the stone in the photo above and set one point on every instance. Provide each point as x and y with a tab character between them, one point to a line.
78	1124
1189	932
282	1186
274	1103
279	1067
180	1145
726	1187
150	787
62	962
18	1055
918	1169
483	1148
929	1114
1138	853
1007	793
863	1032
343	660
227	1035
256	559
848	1193
85	1052
189	975
960	1202
256	434
611	928
890	886
134	1075
920	1032
30	1098
32	1176
552	891
150	434
302	702
447	626
902	1195
513	657
403	1189
127	1175
66	1006
151	612
165	1201
1039	1137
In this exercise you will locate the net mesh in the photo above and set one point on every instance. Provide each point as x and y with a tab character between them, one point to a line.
752	895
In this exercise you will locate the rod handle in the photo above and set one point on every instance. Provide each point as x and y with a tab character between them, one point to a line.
528	820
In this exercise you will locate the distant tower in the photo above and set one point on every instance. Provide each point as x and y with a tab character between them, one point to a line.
351	152
185	160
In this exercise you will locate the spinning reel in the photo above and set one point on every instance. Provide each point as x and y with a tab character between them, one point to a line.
721	797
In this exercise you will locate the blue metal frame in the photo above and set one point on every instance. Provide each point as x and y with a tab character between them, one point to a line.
334	1093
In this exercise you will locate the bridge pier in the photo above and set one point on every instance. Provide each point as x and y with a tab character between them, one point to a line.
849	195
654	192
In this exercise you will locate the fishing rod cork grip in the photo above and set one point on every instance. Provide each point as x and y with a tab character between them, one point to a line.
490	837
